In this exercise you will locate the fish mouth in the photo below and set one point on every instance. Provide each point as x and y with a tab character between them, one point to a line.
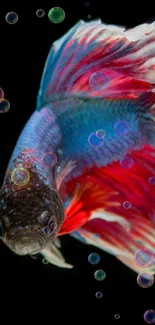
26	242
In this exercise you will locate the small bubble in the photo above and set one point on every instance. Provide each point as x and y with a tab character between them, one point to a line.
94	141
126	162
60	152
56	15
99	80
126	205
143	257
4	105
40	13
45	261
152	180
145	280
100	275
96	236
100	133
89	16
94	258
49	159
11	18
121	128
149	316
1	93
117	316
87	4
99	295
20	176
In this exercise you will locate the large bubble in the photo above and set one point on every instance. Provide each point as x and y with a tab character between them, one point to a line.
145	280
94	258
11	18
149	316
56	15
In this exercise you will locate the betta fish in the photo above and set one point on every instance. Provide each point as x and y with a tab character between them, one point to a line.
87	152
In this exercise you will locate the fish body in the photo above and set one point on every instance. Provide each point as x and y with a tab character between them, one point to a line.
96	77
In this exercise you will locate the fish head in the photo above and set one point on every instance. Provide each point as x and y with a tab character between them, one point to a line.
30	217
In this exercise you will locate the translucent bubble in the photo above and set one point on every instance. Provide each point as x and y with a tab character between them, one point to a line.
94	141
117	316
99	80
94	258
60	152
100	133
1	93
126	162
152	180
121	127
20	176
40	13
126	205
56	15
96	236
87	4
99	275
45	261
143	257
99	295
145	280
11	18
4	105
49	159
149	316
89	16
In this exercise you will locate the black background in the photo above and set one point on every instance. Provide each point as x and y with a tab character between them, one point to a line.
30	289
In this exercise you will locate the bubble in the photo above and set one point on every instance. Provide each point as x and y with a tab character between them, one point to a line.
45	261
143	257
98	80
20	176
49	159
94	141
99	295
145	280
4	105
94	258
89	16
100	133
60	152
121	128
117	316
126	162
56	15
149	316
96	236
152	180
87	4
11	18
40	13
126	205
1	93
99	275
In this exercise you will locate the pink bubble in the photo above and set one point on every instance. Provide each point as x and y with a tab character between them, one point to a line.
49	159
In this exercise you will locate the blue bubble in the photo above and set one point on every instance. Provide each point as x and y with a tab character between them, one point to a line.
99	295
94	258
121	127
126	162
100	133
11	18
149	316
94	141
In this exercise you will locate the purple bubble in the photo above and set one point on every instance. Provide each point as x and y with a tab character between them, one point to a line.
94	141
49	159
99	80
126	162
121	128
152	180
126	205
143	257
149	316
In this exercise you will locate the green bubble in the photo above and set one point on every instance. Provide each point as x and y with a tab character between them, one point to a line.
99	275
56	15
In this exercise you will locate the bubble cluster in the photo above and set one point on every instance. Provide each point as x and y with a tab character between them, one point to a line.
126	162
121	128
95	141
20	176
4	105
49	159
11	18
145	280
99	275
117	316
1	93
99	294
152	180
98	80
149	316
94	258
143	257
56	15
40	13
45	261
100	133
126	205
